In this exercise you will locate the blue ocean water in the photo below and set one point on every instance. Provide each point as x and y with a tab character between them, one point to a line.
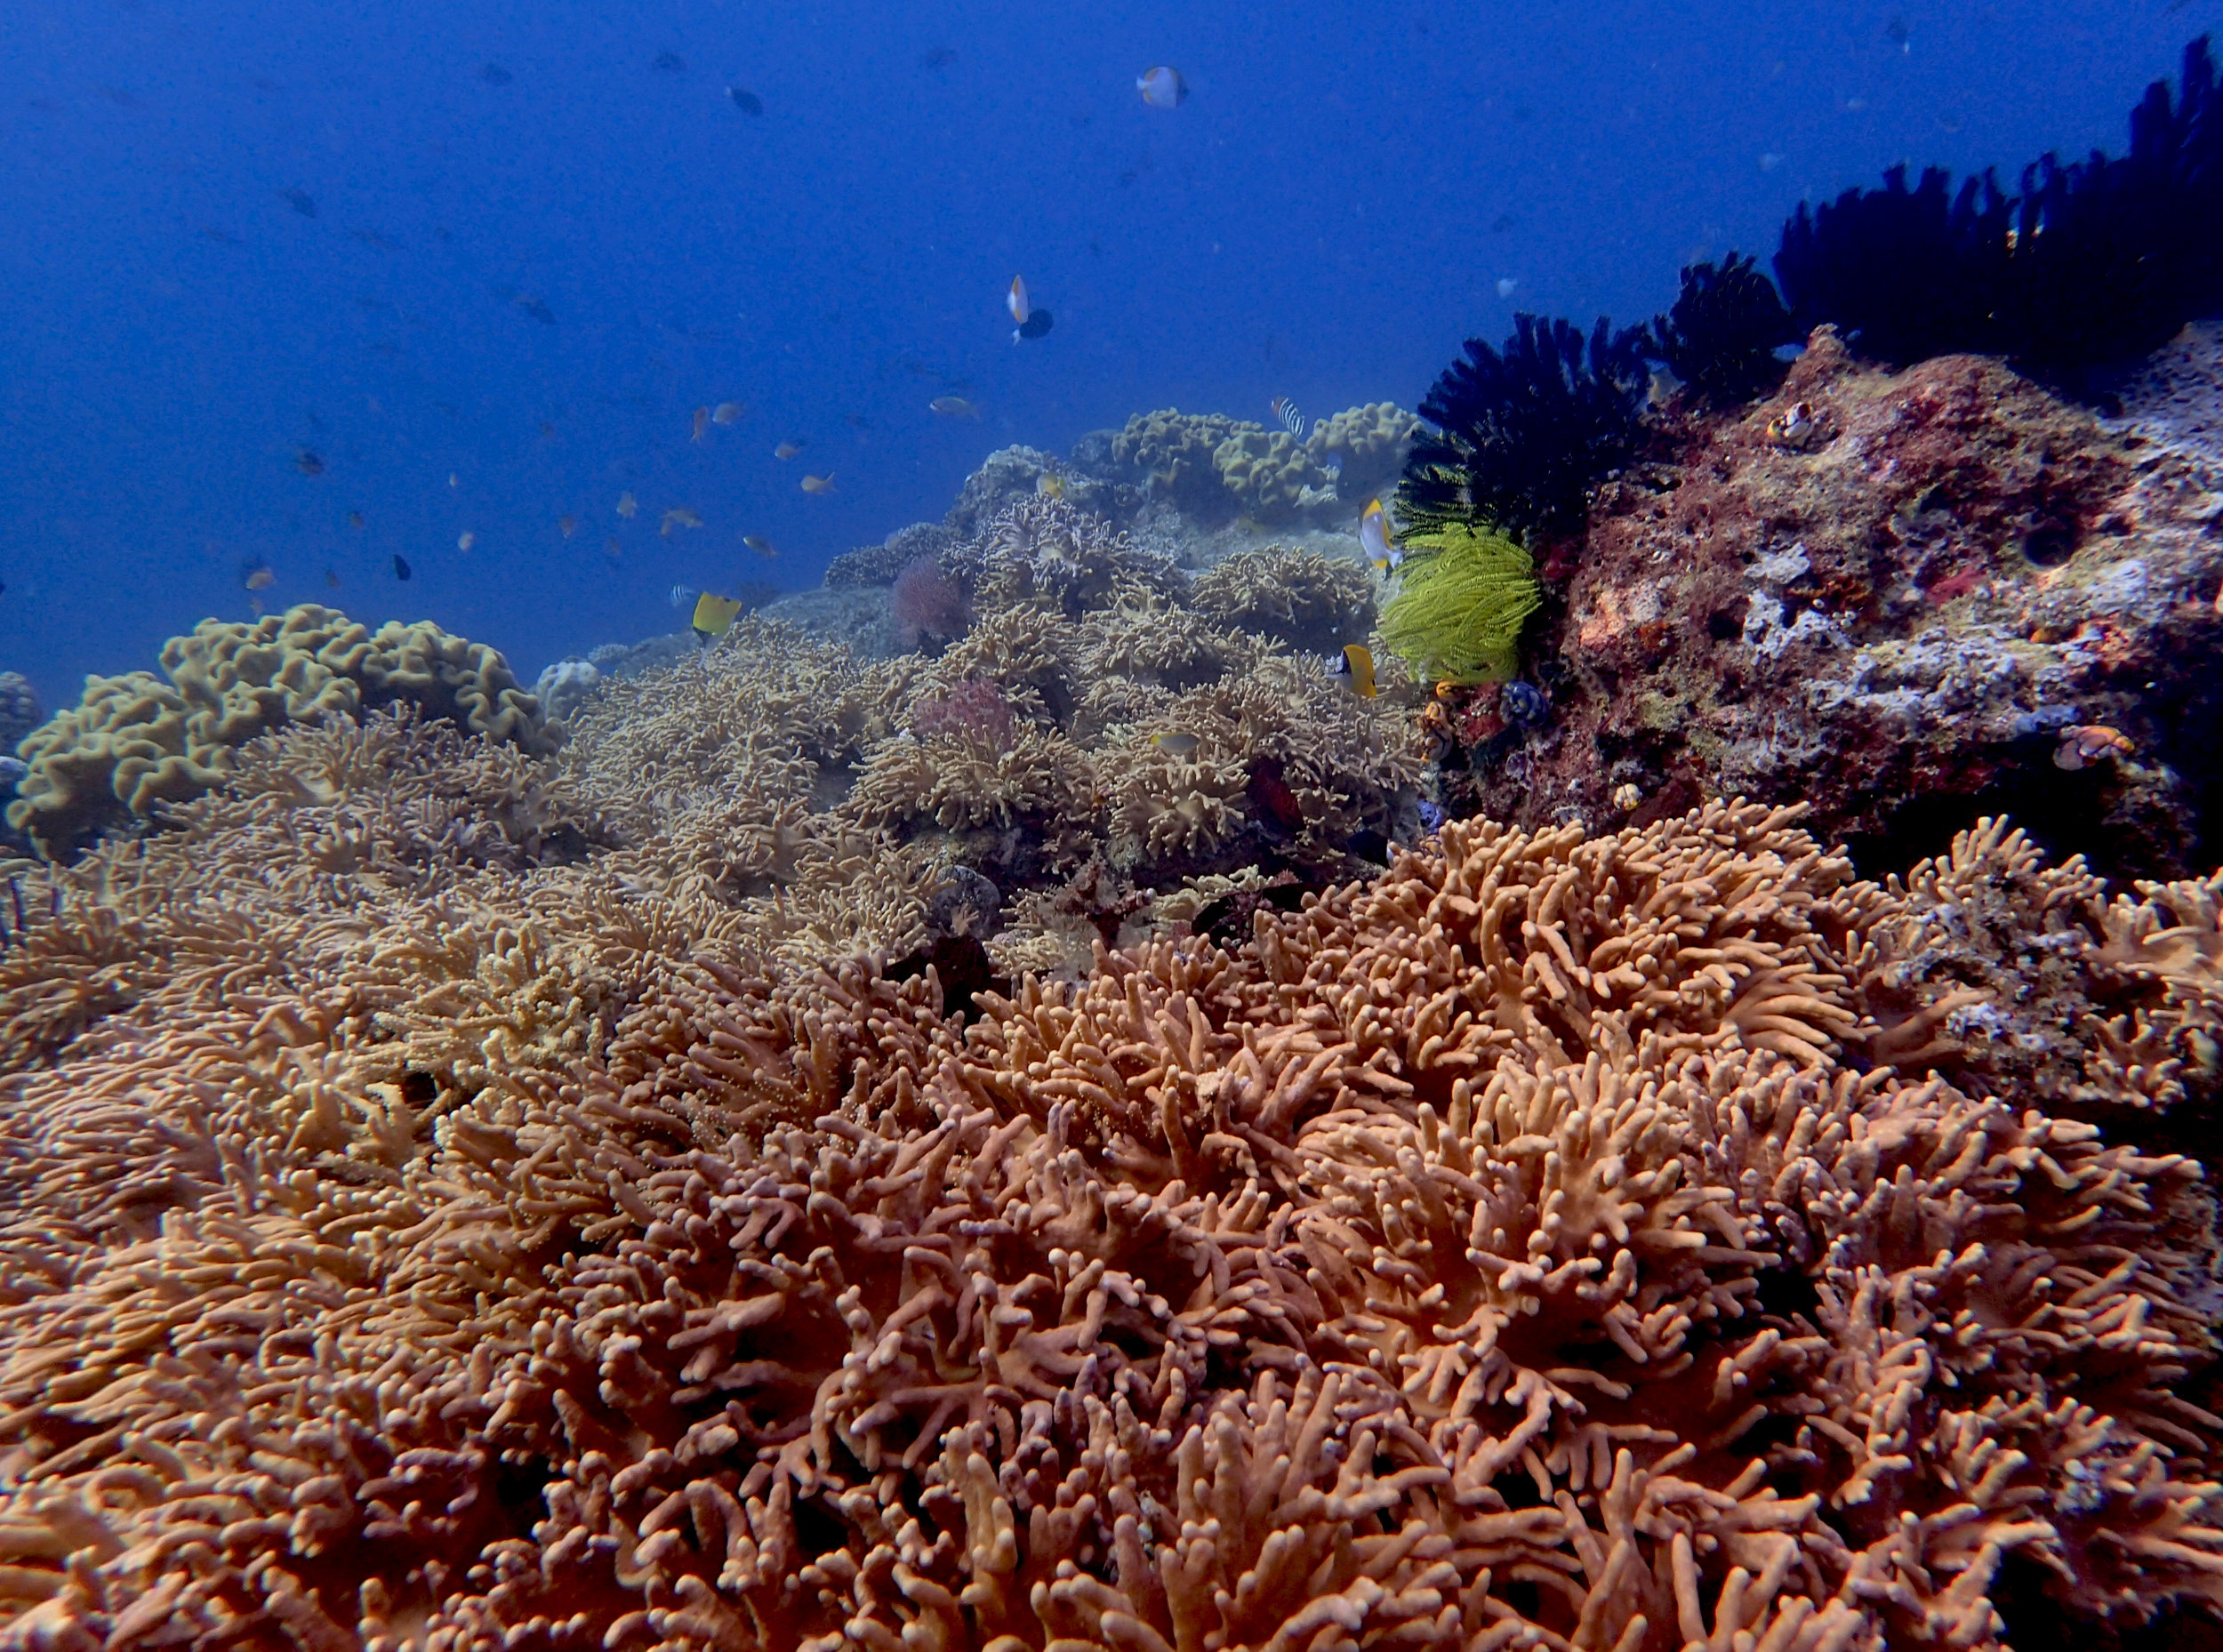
485	263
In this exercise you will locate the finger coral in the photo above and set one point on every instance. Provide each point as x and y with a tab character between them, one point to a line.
1523	1248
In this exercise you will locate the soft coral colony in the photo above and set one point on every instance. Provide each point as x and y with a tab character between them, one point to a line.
980	1144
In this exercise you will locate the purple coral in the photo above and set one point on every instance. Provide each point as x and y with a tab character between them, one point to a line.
972	710
926	603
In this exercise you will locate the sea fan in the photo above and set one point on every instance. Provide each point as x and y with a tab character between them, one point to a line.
2093	263
1721	335
1521	434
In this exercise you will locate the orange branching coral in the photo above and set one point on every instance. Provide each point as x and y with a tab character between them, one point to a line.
1523	1249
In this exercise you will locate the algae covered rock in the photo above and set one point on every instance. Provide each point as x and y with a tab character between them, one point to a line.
135	742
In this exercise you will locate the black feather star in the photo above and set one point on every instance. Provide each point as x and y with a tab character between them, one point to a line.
1721	335
1523	432
2092	264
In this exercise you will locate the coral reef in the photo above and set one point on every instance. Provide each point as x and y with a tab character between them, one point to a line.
2090	265
878	564
563	687
20	711
1309	601
1893	620
1523	432
1544	1243
1270	475
1015	473
1171	454
134	741
1366	447
1047	549
926	605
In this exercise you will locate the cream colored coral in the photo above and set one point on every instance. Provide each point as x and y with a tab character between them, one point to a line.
1270	475
1307	600
1366	445
137	741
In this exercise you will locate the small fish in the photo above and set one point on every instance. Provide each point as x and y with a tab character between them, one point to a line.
819	484
1355	664
1177	744
466	539
1050	485
495	75
453	480
1506	285
1162	88
1292	420
536	308
224	236
627	505
2084	743
682	595
747	102
257	575
1374	534
954	407
679	516
714	616
308	461
1794	428
669	63
611	546
762	546
1033	323
726	413
702	424
566	525
300	201
331	578
787	450
355	518
401	568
